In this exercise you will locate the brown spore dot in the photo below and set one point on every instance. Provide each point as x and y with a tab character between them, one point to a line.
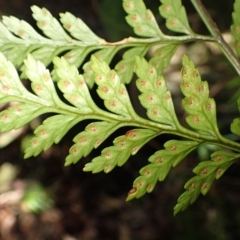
34	142
131	134
21	33
159	82
113	75
134	150
219	171
4	116
166	8
184	71
132	191
68	26
99	78
74	98
186	85
173	148
143	82
42	24
98	142
122	67
196	119
38	88
208	106
191	187
2	74
204	171
172	22
5	88
139	184
154	112
105	89
93	129
190	101
204	186
113	104
73	150
150	98
43	133
82	140
46	78
149	16
149	187
151	71
107	168
121	144
218	158
159	160
66	83
107	154
80	83
135	17
147	172
122	91
195	73
236	30
201	88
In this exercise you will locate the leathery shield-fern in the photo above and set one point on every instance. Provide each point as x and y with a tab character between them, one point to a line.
67	43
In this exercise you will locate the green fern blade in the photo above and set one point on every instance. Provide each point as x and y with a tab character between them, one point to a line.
50	132
73	86
124	147
141	19
162	56
176	16
49	25
79	30
125	67
105	55
161	162
111	90
155	97
19	115
206	172
94	134
201	108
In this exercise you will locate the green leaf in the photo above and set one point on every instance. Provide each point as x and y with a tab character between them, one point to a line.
235	27
124	146
141	19
162	56
94	134
23	29
11	86
111	90
73	86
106	55
201	108
51	131
19	115
206	172
161	163
155	97
126	66
79	30
176	16
49	25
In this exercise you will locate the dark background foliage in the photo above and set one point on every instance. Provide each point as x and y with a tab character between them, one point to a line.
79	205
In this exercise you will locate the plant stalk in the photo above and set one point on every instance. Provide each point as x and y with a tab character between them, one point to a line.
213	29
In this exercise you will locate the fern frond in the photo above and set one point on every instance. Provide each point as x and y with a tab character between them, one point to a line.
206	172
